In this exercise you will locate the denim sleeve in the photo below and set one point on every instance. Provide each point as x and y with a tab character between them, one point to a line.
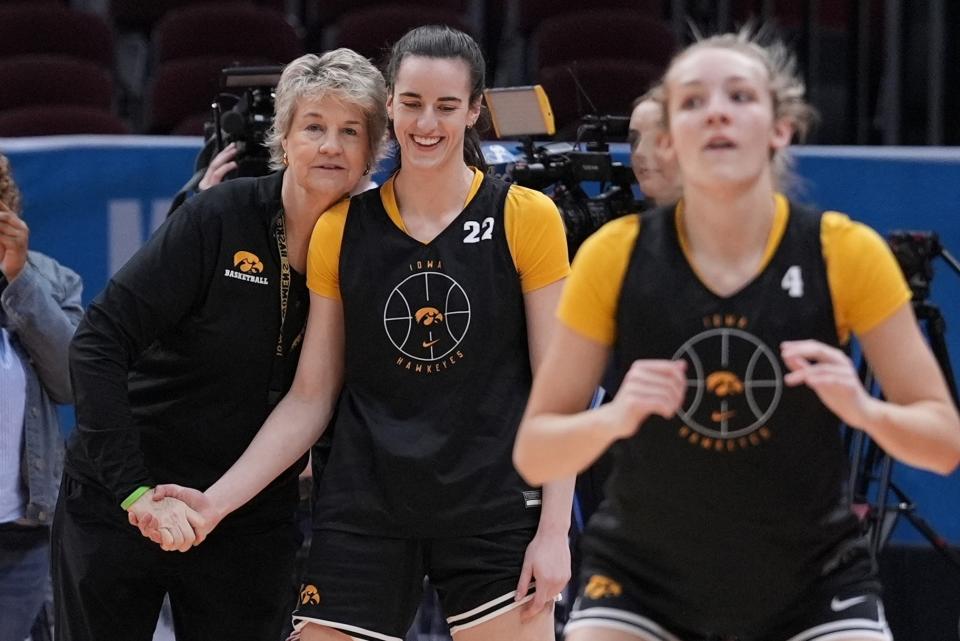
43	309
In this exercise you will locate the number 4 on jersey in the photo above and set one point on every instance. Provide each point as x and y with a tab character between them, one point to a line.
792	282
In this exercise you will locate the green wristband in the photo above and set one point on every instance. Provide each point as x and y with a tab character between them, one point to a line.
135	496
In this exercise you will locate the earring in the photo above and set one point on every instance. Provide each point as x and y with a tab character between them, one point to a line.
367	170
285	162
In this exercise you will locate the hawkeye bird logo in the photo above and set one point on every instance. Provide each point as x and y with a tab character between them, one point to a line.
724	384
601	586
246	267
426	317
309	595
247	263
734	386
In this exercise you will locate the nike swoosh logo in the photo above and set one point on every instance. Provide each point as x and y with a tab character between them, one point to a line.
842	604
718	417
429	343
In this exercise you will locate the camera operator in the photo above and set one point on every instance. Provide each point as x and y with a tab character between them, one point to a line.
221	165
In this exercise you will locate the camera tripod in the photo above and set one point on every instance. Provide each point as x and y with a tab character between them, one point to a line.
915	252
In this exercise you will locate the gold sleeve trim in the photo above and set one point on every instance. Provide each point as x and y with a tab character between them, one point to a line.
536	238
591	295
323	256
866	284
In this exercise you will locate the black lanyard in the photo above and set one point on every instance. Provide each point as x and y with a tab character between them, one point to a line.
281	236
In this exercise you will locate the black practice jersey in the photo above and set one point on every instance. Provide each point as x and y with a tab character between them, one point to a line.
437	376
728	512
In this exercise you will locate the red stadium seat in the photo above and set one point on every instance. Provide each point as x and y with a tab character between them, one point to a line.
51	28
790	14
373	30
51	80
143	15
603	33
329	11
51	120
228	29
533	12
185	88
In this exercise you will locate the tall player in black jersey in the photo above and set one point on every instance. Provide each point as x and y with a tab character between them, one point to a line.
431	302
727	316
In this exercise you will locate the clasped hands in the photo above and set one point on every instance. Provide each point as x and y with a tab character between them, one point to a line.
174	517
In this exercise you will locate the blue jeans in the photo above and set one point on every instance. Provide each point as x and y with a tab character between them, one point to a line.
24	573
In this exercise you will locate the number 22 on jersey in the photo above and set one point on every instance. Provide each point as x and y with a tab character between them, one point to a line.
478	231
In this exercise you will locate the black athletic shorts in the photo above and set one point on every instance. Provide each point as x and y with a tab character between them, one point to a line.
844	604
369	587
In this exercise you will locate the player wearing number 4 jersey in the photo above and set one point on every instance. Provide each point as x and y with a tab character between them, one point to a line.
726	317
751	449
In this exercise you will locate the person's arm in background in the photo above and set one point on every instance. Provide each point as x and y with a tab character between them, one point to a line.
221	165
42	309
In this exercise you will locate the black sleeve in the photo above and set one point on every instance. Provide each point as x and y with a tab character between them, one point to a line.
151	294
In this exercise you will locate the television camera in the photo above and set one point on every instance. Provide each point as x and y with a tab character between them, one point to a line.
566	169
241	113
247	120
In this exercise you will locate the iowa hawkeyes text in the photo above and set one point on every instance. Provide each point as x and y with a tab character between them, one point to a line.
429	368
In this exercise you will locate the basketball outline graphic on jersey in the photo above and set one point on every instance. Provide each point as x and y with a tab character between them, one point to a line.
717	377
425	325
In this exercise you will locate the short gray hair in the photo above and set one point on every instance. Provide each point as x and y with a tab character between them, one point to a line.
342	73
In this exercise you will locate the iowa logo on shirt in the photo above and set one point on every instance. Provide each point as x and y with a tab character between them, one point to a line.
426	317
734	385
599	587
246	266
309	595
247	262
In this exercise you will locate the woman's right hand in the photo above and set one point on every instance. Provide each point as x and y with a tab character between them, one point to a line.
221	165
203	515
649	387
